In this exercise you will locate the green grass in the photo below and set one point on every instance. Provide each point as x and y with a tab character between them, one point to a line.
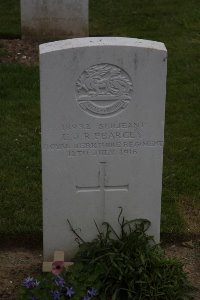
176	23
10	19
20	170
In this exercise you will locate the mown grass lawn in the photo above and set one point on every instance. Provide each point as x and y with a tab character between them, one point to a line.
20	184
10	19
177	24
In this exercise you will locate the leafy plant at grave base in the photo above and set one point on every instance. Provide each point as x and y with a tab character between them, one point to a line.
128	265
125	266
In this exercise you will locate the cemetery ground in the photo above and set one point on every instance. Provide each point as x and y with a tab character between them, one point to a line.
176	23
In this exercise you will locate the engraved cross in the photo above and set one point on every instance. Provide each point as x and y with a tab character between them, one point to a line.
102	185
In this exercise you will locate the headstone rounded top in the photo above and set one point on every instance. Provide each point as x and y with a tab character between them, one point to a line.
100	41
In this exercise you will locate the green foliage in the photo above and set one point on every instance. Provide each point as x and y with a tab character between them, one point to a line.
129	266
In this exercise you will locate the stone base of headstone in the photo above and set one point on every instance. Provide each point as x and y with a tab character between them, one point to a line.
58	256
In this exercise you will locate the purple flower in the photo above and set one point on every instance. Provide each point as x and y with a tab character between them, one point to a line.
33	298
55	295
30	283
59	281
92	292
69	292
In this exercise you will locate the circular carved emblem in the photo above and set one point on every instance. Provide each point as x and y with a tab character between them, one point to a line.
104	90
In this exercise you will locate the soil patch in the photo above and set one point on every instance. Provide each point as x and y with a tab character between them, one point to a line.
16	264
190	210
19	51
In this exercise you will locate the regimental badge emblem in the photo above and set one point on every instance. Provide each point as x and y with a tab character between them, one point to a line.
103	90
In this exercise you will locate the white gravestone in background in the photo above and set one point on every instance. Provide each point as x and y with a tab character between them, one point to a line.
54	19
102	107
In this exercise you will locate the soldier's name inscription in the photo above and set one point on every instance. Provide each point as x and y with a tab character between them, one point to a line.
122	138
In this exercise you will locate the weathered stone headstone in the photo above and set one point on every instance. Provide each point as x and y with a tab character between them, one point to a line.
102	106
54	19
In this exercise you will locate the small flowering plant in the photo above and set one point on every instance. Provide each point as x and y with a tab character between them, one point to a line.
53	287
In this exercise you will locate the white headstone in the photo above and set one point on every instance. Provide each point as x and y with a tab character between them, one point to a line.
54	19
102	106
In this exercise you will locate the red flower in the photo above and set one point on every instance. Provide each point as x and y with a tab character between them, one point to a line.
57	267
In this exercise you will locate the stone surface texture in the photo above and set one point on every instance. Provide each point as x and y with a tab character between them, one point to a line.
49	20
102	109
